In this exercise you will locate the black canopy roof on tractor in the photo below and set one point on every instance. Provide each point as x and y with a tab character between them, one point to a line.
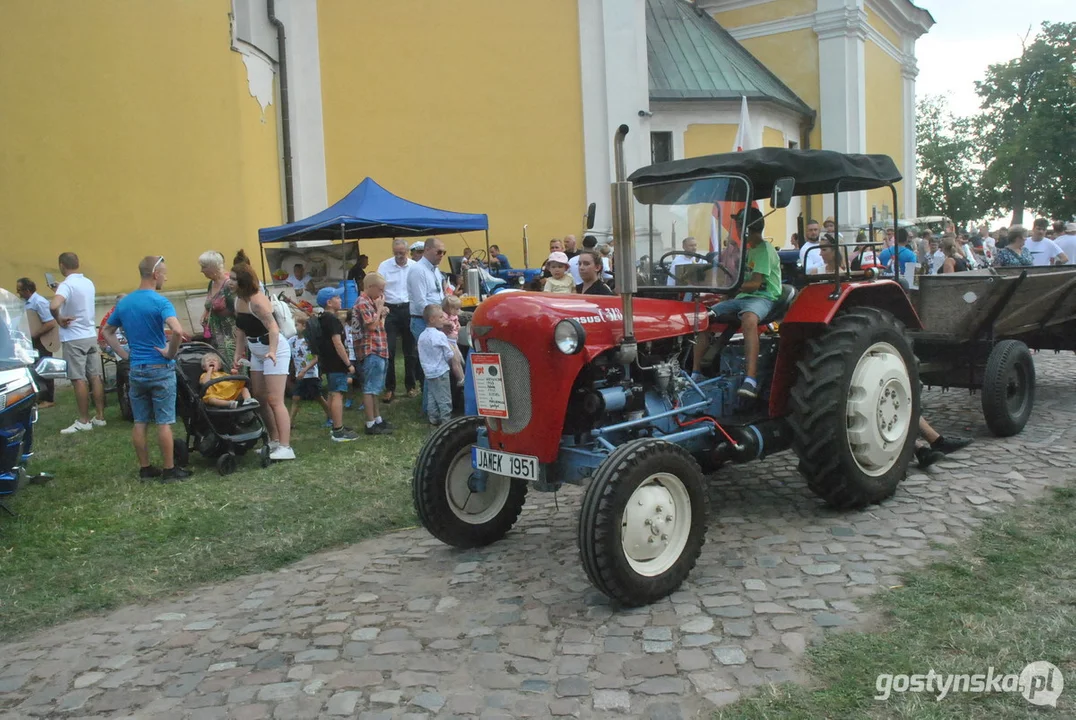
816	171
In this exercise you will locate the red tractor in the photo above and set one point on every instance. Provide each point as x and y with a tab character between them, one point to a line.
600	391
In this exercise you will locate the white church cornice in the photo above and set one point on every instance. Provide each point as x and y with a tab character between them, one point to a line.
841	22
903	16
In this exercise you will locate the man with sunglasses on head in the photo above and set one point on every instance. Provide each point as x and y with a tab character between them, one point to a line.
143	315
425	286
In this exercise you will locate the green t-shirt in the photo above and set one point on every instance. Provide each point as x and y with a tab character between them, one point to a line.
763	259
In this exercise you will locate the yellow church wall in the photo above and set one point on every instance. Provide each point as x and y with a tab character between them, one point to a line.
128	130
887	31
885	122
798	70
765	12
474	107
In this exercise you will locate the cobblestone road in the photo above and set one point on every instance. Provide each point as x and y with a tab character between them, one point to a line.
402	626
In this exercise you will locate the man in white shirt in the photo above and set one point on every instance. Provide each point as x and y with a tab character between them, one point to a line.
300	282
589	243
1044	251
690	245
425	286
398	321
41	325
73	307
807	261
1067	242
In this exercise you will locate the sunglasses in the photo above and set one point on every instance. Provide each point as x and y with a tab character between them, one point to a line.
157	264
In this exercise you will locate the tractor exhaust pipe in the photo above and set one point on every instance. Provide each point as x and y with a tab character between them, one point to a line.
623	206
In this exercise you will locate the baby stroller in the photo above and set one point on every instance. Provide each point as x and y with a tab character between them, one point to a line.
215	432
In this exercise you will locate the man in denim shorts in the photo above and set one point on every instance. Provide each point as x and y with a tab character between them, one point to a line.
143	315
760	290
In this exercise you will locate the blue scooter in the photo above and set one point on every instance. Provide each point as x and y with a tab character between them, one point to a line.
18	396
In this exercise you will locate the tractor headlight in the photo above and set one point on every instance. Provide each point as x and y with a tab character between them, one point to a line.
569	336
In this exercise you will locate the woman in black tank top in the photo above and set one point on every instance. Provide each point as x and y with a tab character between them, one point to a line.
256	330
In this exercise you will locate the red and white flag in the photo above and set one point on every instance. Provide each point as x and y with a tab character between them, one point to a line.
743	133
723	211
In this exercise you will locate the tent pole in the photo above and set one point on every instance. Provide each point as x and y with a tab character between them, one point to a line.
487	246
264	277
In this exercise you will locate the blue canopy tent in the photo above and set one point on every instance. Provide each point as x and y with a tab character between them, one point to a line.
371	211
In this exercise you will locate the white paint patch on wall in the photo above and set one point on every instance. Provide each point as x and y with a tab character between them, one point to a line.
259	77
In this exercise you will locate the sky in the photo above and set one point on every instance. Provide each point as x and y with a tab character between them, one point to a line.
973	34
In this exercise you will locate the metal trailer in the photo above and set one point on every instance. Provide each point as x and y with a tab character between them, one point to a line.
980	326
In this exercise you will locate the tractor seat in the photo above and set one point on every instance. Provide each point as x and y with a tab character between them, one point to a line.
780	307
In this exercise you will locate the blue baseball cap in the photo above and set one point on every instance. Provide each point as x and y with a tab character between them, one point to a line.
328	293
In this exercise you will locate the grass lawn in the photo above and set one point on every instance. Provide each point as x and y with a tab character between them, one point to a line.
1003	600
96	537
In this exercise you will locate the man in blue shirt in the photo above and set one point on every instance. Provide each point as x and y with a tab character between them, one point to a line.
143	315
501	259
904	254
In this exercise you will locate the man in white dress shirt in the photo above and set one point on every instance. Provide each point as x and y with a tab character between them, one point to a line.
425	286
398	322
39	307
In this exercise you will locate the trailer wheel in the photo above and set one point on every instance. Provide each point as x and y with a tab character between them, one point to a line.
643	521
855	409
444	501
1008	388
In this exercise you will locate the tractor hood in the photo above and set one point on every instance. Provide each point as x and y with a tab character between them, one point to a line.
528	319
518	326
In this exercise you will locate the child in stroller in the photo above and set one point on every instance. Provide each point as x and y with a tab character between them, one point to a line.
214	428
226	393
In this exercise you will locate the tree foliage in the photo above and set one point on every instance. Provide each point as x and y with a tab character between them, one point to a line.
947	176
1027	130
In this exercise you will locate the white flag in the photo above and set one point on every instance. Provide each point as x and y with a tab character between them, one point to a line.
743	133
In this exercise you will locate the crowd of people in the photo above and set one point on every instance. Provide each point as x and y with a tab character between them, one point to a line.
342	356
1047	243
337	357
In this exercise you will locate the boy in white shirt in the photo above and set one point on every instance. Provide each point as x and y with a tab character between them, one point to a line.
307	379
440	363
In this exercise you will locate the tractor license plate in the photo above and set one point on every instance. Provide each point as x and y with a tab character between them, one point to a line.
524	467
489	385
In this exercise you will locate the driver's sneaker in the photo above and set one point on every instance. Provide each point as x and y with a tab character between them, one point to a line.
98	422
950	444
749	389
77	426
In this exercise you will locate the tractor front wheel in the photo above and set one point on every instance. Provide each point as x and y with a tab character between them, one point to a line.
855	409
447	500
643	521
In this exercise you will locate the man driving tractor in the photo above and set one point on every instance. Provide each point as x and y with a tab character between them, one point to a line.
760	290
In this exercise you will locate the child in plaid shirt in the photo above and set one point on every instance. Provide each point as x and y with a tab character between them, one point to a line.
373	349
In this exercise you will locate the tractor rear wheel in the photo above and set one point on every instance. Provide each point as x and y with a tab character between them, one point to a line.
1008	388
441	490
855	409
643	521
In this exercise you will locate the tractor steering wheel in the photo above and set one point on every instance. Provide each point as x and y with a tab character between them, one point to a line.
706	264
